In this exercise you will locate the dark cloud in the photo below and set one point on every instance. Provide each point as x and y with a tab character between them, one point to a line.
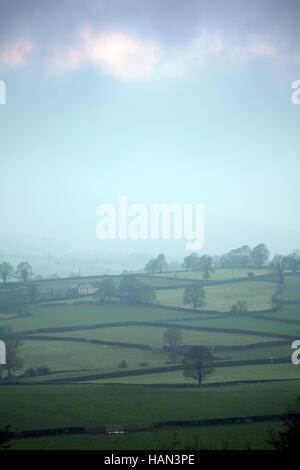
170	20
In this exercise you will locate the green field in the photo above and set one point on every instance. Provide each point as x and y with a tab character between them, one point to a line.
221	374
249	323
153	336
72	314
221	297
291	289
135	407
130	400
64	355
217	275
235	437
92	406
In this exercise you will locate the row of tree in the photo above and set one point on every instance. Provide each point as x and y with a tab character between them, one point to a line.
22	272
243	257
129	290
194	295
157	265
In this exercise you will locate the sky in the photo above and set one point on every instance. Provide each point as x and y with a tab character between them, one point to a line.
159	101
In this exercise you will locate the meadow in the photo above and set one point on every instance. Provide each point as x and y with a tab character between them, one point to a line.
71	355
221	297
136	408
217	275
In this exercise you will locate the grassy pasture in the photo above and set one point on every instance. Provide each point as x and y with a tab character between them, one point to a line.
265	352
291	289
221	297
95	404
71	315
221	374
217	275
288	312
250	323
42	406
64	355
153	336
236	437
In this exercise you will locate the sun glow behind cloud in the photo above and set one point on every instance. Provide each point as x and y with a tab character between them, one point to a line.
127	57
16	53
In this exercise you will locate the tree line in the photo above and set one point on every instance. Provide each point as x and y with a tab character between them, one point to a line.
242	257
129	290
22	272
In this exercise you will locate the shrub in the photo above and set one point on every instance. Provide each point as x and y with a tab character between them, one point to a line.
43	370
123	364
30	372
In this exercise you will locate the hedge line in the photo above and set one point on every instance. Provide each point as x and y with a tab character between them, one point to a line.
157	370
155	425
84	340
215	421
161	325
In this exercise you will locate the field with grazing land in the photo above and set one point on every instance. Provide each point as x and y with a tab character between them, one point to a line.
221	297
84	344
291	291
238	436
149	256
217	275
93	406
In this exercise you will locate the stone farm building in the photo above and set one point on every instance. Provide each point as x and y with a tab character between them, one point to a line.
64	292
86	289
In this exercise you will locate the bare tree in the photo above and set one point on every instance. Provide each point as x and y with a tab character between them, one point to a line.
14	362
239	308
173	338
23	271
194	295
197	363
106	290
6	271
